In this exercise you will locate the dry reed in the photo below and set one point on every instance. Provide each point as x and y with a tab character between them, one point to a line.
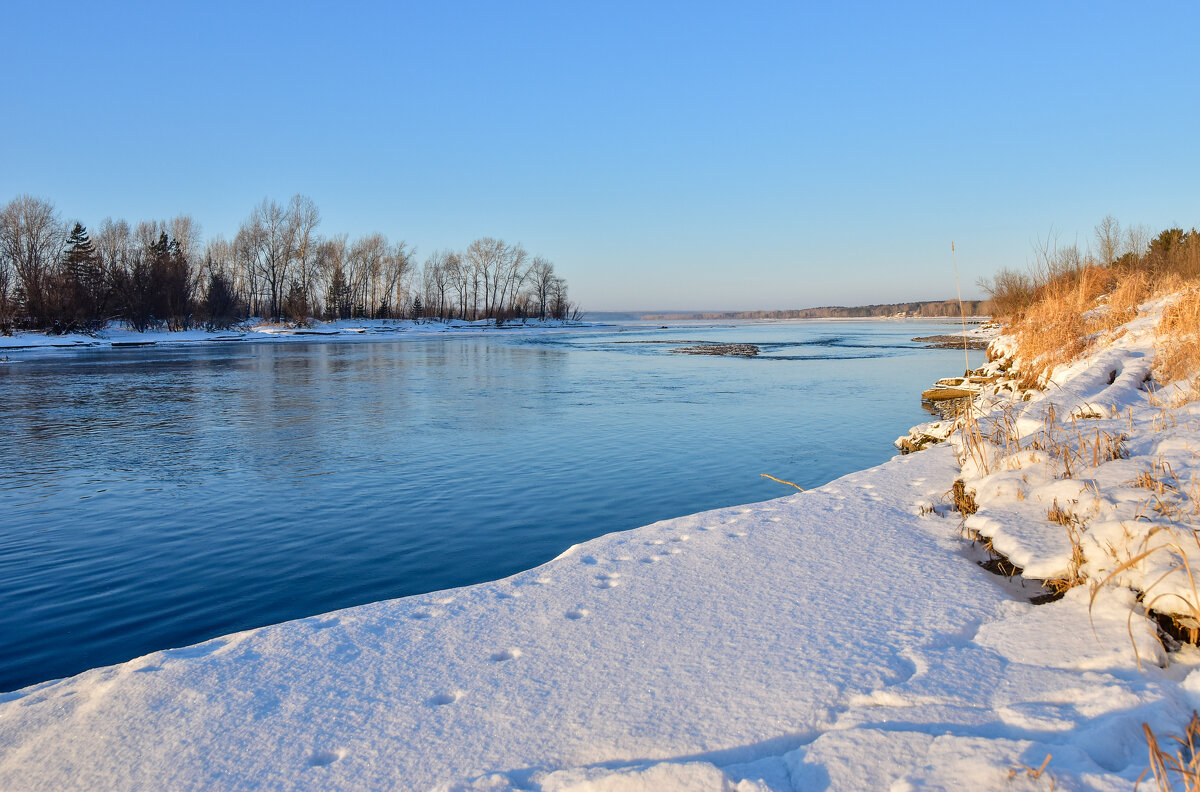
1178	338
1183	765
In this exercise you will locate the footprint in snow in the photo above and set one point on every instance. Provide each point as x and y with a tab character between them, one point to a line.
737	534
442	699
607	579
420	615
589	560
575	614
504	654
325	758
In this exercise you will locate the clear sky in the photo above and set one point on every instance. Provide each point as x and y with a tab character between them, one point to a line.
664	155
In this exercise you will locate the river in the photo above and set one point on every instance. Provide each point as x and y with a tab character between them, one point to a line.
156	497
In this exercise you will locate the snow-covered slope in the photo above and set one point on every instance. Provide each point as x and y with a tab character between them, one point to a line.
841	638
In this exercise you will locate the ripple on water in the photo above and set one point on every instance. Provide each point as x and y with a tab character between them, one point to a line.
159	497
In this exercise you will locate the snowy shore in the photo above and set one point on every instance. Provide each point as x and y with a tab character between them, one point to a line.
116	336
842	638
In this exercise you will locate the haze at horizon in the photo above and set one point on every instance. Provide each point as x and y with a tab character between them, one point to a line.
681	156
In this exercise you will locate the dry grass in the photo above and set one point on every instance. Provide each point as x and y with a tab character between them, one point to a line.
1075	526
1070	449
1190	607
1178	342
1130	291
1053	329
1182	766
1067	449
963	499
1034	773
1169	498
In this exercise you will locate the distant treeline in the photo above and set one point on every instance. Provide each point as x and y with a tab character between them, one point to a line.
59	277
924	308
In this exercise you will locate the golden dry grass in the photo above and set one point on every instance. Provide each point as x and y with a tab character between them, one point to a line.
1182	766
1131	290
1178	343
1054	329
963	499
1071	310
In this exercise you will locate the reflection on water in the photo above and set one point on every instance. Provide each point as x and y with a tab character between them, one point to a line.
157	497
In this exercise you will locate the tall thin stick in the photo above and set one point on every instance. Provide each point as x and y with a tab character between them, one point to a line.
961	312
781	481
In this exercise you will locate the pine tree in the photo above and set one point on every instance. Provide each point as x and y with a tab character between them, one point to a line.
83	284
170	284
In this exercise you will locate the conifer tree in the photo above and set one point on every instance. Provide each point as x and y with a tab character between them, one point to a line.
83	281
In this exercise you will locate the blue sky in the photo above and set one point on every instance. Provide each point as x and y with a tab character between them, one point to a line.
663	155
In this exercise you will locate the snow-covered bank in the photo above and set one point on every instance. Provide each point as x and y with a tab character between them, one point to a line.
839	639
116	336
832	639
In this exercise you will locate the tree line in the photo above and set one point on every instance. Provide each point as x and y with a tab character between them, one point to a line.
60	277
919	308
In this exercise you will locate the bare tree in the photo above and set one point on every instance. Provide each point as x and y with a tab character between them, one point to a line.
32	239
395	268
305	217
246	246
219	258
331	264
484	259
1108	240
436	279
458	276
185	231
542	273
6	279
275	229
1137	240
513	272
114	243
147	233
560	307
365	266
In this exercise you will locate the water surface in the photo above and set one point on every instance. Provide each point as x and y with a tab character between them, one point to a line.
157	497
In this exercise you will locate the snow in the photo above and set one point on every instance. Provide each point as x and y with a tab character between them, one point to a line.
116	336
841	638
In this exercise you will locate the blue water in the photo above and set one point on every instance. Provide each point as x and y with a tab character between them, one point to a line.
156	497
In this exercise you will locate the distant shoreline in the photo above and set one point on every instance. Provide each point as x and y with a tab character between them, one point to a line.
116	336
918	309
